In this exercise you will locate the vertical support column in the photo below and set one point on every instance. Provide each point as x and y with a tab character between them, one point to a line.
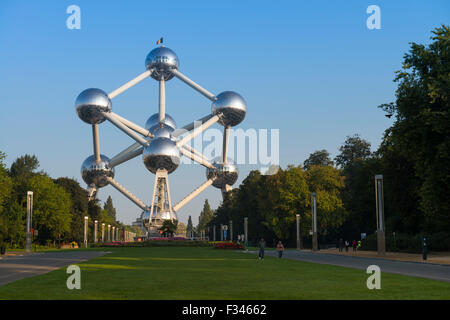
246	231
226	135
162	100
103	232
231	230
85	241
214	232
299	243
314	221
95	230
96	143
29	220
379	196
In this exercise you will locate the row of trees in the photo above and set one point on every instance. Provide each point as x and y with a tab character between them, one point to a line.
60	205
414	158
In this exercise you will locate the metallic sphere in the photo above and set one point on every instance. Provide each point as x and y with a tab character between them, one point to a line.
91	103
153	122
162	131
223	173
162	153
96	173
157	216
161	60
232	106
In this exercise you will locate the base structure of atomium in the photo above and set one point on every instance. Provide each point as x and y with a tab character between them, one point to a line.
160	143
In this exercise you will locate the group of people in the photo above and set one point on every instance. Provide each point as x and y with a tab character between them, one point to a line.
355	244
262	246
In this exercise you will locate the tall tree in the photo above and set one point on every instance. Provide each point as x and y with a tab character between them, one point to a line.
421	129
205	216
354	149
24	165
319	157
109	207
190	226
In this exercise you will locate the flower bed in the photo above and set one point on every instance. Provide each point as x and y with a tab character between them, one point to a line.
227	245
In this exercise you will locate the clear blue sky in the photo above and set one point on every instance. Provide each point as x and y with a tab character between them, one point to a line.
309	68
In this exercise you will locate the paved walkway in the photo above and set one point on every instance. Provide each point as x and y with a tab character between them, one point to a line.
16	267
409	268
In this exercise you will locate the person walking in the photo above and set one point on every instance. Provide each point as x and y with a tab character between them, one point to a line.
261	245
341	244
347	244
280	249
354	244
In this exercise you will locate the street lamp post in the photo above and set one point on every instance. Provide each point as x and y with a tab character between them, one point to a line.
221	232
214	232
103	232
379	199
231	230
314	221
246	231
29	220
85	241
109	233
299	245
95	230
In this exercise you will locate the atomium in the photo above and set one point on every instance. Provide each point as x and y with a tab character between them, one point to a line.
160	143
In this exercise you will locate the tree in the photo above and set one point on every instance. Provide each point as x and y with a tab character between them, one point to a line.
353	149
320	157
51	207
190	227
109	207
5	183
79	208
24	166
169	227
205	217
421	129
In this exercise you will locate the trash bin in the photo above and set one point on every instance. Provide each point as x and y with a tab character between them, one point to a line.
2	250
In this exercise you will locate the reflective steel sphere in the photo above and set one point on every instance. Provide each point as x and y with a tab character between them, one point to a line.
162	131
223	173
96	173
91	103
162	59
153	122
233	107
162	153
157	217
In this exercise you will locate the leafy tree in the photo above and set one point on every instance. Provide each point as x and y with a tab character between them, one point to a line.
421	129
189	227
169	227
205	217
6	183
353	149
320	157
51	207
24	166
109	207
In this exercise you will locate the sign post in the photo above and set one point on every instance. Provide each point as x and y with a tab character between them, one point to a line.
379	197
314	221
29	220
85	241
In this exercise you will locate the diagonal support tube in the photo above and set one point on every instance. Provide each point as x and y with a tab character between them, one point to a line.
132	125
192	195
125	157
193	85
190	126
198	130
125	129
127	193
196	158
129	84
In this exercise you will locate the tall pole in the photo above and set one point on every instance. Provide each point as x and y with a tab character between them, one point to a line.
85	241
103	232
221	232
29	221
381	241
299	245
109	232
113	233
95	230
246	231
314	214
214	232
231	230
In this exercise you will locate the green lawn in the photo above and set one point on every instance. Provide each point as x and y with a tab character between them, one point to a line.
206	273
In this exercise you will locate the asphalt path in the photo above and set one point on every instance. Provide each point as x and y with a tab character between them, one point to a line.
416	269
13	268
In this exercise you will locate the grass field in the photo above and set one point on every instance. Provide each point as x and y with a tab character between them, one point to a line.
206	273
